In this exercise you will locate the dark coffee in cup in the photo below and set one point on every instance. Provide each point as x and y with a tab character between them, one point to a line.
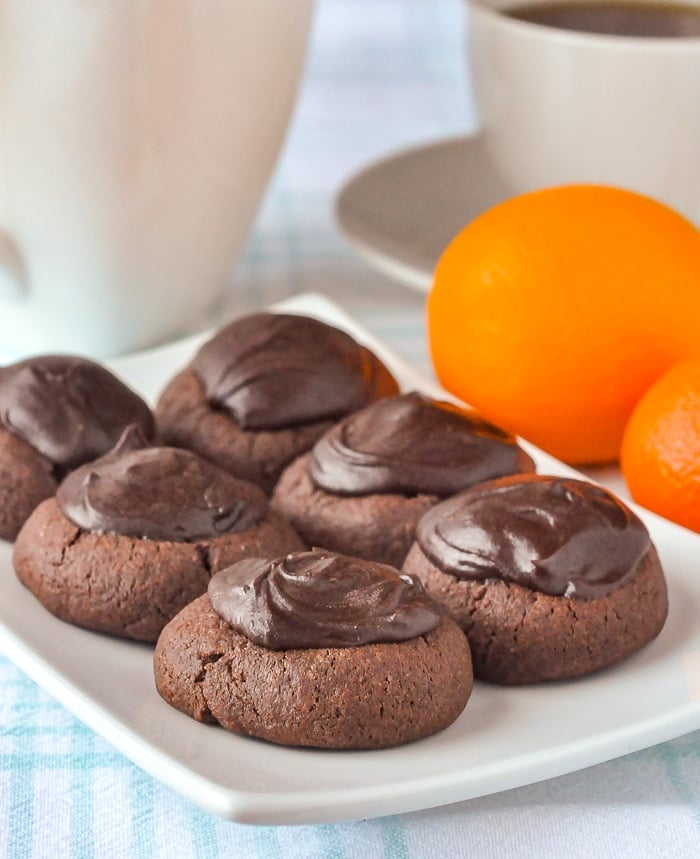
615	18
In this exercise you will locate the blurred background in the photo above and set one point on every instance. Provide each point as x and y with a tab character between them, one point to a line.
381	76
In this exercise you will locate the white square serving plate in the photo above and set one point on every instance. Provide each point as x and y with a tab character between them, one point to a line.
506	737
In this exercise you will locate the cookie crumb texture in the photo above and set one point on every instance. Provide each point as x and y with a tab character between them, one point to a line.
518	635
26	479
126	586
367	697
375	527
186	419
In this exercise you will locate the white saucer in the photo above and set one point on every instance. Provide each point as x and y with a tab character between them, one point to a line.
401	212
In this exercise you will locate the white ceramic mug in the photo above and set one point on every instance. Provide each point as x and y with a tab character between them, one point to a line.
136	140
556	106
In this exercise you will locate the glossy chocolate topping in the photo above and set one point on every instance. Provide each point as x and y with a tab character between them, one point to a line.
554	535
273	370
320	599
411	444
69	409
160	493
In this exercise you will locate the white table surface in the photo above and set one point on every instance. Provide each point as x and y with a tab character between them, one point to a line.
381	75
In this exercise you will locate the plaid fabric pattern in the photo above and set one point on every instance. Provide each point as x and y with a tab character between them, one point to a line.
65	792
381	75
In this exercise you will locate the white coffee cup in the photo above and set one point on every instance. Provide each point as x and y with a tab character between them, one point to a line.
556	106
137	138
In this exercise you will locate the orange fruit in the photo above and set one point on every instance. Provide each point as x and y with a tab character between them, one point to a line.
660	458
554	311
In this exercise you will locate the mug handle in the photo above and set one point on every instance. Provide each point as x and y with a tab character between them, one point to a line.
13	272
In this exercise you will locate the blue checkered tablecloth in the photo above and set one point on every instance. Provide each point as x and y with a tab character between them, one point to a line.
381	75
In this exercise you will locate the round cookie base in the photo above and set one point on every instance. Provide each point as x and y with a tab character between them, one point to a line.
26	479
186	419
366	697
126	586
520	636
374	527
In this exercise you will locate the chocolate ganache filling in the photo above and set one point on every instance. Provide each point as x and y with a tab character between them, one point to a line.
159	493
271	370
320	599
69	409
554	535
411	444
